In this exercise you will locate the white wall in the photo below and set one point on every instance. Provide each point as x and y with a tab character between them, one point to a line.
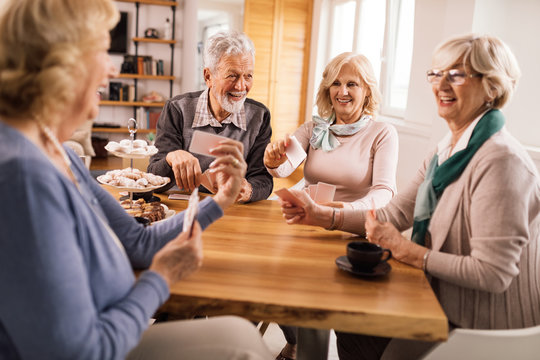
213	13
421	128
515	22
189	77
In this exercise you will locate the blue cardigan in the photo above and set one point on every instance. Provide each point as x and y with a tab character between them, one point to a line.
67	288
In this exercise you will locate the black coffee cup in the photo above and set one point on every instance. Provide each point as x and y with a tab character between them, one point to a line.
365	255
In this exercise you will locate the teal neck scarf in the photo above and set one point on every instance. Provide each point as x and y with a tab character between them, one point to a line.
324	132
439	177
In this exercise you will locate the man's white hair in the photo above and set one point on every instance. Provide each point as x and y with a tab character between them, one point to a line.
226	43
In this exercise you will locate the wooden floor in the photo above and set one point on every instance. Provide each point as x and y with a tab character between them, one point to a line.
113	162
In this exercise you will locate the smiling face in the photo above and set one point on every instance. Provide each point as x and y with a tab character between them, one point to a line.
348	95
459	105
229	84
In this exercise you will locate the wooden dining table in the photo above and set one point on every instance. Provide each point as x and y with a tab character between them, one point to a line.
259	267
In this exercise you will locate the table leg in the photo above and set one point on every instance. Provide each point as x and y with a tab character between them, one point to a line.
313	344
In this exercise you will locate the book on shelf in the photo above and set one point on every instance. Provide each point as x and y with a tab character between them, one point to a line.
142	65
160	67
141	118
114	90
131	93
129	66
146	118
153	117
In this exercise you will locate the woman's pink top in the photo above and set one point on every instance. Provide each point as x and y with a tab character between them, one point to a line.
362	168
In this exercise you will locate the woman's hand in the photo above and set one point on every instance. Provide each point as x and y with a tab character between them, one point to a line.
386	235
274	154
180	257
309	214
230	169
336	204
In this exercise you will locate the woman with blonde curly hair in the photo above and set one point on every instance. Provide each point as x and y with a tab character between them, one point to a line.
345	146
68	247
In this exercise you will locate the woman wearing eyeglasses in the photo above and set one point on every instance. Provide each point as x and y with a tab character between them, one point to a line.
474	206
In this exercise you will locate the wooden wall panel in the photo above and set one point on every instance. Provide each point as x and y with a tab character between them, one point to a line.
259	25
282	58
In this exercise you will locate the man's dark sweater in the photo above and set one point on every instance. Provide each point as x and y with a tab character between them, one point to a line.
174	132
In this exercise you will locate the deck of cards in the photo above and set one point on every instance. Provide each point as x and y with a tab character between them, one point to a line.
321	192
191	212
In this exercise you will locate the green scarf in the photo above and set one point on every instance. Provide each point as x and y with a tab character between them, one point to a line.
439	177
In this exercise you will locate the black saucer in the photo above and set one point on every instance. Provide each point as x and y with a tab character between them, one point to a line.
382	269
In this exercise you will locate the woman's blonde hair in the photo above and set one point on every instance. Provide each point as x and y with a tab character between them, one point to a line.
42	48
485	55
362	67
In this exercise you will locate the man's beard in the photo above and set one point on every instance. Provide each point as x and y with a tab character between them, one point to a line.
230	106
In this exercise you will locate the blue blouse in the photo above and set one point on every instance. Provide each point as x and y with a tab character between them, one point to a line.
68	289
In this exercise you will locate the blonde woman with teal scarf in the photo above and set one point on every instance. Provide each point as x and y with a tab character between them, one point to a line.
345	146
474	206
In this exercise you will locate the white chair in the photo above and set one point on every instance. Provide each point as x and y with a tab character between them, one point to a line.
464	344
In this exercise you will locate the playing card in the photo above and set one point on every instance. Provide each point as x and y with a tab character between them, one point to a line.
178	197
312	190
295	153
325	193
202	142
288	196
207	180
191	212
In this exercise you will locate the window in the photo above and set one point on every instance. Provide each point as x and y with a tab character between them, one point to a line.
383	32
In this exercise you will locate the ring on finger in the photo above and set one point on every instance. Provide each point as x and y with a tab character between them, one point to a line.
235	163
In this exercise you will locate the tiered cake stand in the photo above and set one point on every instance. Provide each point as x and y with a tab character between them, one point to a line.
134	192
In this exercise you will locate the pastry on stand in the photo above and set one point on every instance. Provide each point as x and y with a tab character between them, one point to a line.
139	184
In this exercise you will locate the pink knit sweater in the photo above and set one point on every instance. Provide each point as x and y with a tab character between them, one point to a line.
362	168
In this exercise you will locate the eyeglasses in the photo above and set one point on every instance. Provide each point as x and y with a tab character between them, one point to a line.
453	76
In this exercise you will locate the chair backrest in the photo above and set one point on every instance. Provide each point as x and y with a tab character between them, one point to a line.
464	344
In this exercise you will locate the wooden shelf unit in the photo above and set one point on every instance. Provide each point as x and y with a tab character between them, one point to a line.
120	130
145	77
131	103
137	40
152	40
152	2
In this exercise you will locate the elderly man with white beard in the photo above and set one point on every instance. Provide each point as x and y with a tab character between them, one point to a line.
224	109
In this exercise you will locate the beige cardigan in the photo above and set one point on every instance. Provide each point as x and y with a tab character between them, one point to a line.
485	259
